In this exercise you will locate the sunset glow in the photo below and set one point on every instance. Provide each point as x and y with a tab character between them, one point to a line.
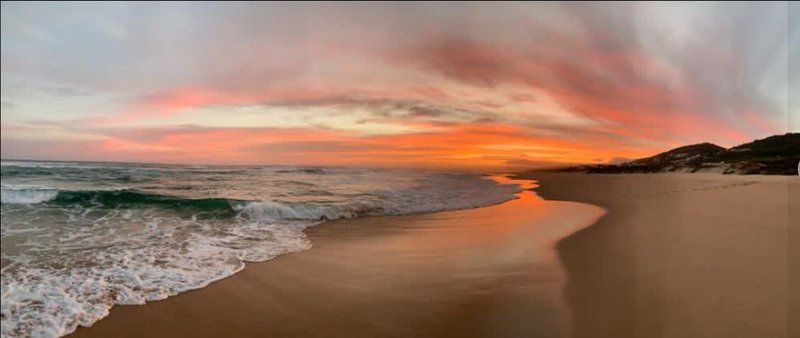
411	85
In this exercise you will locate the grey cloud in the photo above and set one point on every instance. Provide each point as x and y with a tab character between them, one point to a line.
64	91
392	108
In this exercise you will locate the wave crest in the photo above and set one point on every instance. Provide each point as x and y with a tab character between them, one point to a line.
26	194
274	211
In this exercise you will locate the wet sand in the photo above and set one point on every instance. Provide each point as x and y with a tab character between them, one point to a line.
482	272
675	256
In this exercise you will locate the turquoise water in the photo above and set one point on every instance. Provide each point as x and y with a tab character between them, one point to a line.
79	237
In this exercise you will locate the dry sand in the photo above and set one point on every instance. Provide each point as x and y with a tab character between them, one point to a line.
675	256
682	255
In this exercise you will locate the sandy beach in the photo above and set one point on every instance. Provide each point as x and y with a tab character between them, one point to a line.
671	255
682	255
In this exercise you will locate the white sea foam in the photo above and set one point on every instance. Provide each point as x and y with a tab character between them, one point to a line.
26	194
51	294
67	264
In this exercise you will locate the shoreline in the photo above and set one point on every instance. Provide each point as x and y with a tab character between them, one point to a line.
488	271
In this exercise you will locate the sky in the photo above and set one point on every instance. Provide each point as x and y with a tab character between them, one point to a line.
440	85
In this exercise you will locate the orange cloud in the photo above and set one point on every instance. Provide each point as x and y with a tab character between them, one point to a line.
468	145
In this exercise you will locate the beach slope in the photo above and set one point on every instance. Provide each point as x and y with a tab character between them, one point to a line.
682	255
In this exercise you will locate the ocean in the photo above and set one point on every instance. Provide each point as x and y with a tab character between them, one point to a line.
80	237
